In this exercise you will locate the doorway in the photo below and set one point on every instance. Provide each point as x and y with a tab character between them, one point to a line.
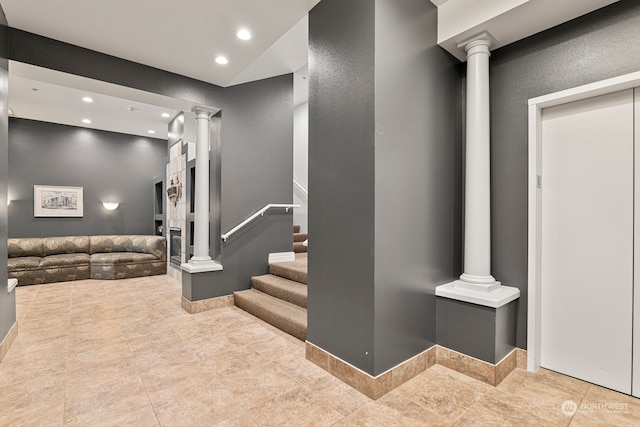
582	248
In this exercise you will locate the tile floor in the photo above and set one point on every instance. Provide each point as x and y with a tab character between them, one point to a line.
120	353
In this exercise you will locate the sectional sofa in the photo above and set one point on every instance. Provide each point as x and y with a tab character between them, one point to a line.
58	259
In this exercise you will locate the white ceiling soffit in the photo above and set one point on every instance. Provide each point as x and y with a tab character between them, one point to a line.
180	37
58	99
506	20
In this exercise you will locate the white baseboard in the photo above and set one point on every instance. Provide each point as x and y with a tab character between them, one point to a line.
282	257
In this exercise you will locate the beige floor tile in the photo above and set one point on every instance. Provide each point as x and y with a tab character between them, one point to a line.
489	411
100	376
241	420
541	394
601	406
375	415
235	360
442	391
123	352
194	403
298	367
107	404
295	408
40	414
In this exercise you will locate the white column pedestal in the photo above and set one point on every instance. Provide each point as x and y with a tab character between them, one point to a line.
476	284
201	261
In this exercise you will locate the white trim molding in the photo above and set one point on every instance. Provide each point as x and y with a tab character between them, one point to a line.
281	257
536	180
11	285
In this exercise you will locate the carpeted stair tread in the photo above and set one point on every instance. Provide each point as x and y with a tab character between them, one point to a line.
296	270
298	247
283	315
284	289
296	228
300	237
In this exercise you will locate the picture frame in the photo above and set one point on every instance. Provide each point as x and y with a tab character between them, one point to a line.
50	201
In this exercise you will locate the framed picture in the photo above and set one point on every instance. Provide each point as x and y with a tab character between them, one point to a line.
57	201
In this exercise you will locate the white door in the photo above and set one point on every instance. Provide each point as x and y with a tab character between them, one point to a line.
635	387
587	239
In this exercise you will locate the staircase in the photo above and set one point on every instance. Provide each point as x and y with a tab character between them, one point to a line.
280	297
298	240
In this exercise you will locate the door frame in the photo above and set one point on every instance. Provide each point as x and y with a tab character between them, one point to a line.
536	105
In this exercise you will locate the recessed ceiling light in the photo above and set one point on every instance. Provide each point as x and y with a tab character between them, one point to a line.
166	115
222	60
86	121
87	99
243	34
151	131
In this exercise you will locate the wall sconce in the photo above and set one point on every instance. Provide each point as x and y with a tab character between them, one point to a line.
110	206
8	202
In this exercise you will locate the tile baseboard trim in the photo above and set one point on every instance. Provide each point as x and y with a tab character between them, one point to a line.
489	373
370	386
378	386
193	307
8	340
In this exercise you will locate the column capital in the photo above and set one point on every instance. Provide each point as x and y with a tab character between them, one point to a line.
478	43
200	111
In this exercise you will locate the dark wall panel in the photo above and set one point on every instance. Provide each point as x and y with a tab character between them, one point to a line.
417	156
109	166
7	300
257	169
341	179
597	46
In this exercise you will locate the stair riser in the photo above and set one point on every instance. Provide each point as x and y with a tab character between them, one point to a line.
283	294
295	329
300	237
296	276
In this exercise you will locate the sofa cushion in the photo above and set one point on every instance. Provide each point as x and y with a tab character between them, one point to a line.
23	263
24	247
65	260
154	245
109	244
65	245
121	258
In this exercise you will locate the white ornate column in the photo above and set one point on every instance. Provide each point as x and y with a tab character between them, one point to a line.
476	284
201	261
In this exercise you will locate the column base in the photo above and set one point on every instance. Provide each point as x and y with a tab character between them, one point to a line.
11	285
203	266
481	294
485	333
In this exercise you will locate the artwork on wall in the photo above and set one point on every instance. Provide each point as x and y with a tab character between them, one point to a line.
57	201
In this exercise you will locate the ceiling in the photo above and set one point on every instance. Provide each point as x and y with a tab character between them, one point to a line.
186	37
179	37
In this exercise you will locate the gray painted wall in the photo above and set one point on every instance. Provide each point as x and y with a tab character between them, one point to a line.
7	301
257	169
256	140
594	47
341	180
383	155
108	165
485	333
416	153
